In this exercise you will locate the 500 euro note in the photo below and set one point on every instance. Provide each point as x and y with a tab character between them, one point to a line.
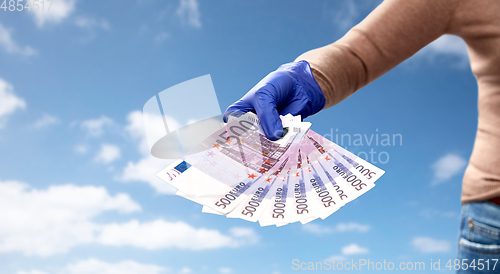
239	173
229	163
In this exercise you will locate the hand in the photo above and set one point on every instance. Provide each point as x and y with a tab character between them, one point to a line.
290	89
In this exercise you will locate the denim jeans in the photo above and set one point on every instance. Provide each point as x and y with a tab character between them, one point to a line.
479	243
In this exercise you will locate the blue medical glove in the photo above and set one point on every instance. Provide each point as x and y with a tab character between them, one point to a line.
290	89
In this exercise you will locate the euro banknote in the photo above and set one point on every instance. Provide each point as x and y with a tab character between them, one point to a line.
238	173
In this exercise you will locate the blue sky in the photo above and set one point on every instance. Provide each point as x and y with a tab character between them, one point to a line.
77	187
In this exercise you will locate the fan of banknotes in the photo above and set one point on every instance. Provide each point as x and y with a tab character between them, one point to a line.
239	173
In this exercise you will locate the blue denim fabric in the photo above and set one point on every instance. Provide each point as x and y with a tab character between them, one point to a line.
480	237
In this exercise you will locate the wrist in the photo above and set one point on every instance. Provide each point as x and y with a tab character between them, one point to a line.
325	86
303	76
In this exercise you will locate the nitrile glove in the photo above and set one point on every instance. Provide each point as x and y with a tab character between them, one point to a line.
290	89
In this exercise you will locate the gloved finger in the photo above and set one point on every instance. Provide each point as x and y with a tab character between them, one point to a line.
278	84
237	107
266	110
297	106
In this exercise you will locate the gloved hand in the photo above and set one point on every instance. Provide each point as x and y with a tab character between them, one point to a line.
290	89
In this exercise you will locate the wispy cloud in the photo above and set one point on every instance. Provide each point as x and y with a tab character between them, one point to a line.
346	16
160	234
317	229
225	270
92	266
92	23
107	154
354	249
345	227
145	169
46	120
189	13
60	218
449	44
446	167
81	149
349	250
34	271
9	102
185	270
160	37
96	127
59	10
10	46
430	213
452	48
348	13
429	245
341	227
56	219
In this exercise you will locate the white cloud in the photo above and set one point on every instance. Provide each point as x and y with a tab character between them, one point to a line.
81	149
348	250
44	222
225	270
145	169
148	128
93	266
92	23
53	220
431	213
189	13
10	45
354	249
185	270
59	10
245	235
9	102
348	13
449	44
429	245
46	120
345	227
95	127
341	227
107	154
446	167
451	47
31	272
136	129
160	234
317	229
